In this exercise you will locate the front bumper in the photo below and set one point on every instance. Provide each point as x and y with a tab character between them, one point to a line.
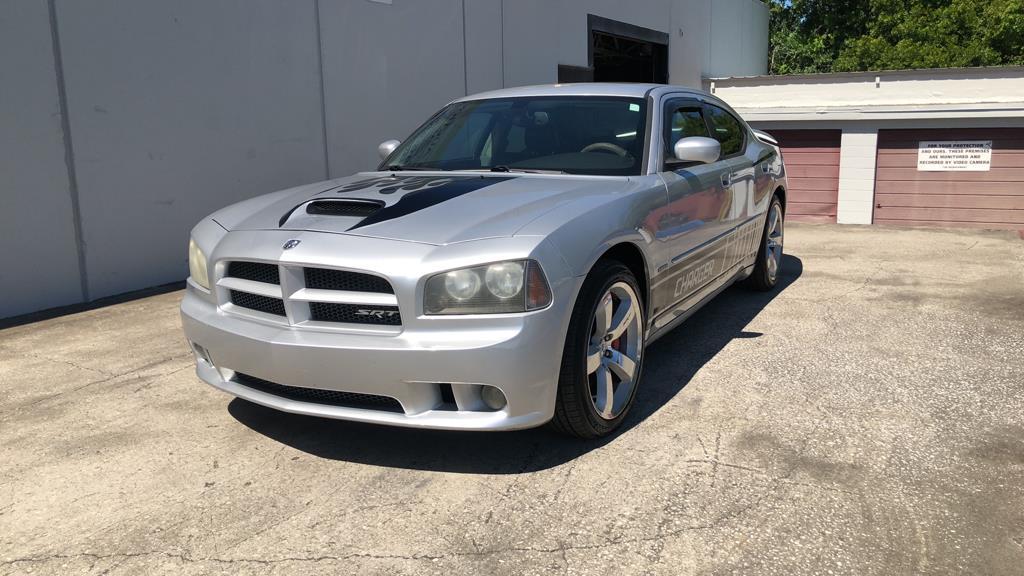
518	354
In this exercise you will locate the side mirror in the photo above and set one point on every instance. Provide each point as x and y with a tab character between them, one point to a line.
697	149
387	147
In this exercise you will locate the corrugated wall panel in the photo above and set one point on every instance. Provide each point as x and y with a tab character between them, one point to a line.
812	163
992	199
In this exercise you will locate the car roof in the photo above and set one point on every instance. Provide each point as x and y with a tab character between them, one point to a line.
620	89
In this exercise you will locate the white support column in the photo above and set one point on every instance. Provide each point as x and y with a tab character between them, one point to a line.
857	175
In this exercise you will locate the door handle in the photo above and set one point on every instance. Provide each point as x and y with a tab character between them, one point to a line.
726	179
765	167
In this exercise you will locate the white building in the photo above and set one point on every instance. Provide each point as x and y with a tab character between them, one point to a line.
913	147
126	121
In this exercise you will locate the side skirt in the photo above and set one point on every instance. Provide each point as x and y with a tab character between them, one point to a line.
685	310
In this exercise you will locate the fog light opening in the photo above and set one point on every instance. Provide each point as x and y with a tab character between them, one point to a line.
493	398
202	353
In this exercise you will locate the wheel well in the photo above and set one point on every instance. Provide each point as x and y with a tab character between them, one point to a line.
781	193
633	259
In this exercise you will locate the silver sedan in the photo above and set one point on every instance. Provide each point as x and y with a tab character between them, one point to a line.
504	267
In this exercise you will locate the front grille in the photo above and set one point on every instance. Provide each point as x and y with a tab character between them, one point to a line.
324	279
355	314
343	208
325	397
257	302
339	308
255	271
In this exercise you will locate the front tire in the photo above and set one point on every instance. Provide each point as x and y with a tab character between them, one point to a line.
769	256
603	357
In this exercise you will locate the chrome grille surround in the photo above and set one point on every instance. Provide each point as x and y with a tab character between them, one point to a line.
308	297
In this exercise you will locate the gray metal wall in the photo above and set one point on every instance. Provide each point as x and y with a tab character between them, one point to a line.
37	224
153	114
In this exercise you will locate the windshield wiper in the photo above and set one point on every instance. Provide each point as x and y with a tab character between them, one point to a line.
400	168
504	168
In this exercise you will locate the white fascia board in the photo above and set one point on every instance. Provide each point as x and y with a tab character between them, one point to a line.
880	113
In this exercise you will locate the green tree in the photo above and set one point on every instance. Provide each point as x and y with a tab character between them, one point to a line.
854	35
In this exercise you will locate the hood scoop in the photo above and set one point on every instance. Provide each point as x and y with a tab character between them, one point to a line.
339	208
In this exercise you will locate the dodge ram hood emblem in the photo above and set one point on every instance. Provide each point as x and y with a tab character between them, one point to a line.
291	244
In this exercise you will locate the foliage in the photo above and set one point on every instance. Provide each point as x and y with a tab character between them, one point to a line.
852	35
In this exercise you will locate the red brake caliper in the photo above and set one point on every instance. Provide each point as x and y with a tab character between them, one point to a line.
615	343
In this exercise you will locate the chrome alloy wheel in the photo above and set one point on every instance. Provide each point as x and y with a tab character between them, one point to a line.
613	354
773	242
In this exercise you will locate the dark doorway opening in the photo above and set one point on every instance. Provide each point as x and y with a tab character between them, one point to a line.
620	52
618	59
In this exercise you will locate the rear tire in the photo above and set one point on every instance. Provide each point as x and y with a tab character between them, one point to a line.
603	357
769	253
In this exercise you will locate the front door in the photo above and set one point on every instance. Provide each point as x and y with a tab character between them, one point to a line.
693	225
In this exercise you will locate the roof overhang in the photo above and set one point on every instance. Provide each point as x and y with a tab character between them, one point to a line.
995	92
854	113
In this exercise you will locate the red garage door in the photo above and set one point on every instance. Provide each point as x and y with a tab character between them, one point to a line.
812	163
991	199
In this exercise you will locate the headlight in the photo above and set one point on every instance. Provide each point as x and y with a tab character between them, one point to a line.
499	288
197	265
462	284
504	280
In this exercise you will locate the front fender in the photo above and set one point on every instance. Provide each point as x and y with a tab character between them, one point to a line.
584	230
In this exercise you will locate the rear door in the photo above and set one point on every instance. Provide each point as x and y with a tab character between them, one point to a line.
739	177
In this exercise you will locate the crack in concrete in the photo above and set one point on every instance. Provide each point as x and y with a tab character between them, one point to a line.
860	286
714	460
703	448
714	463
565	480
67	362
561	549
785	478
109	378
249	472
189	559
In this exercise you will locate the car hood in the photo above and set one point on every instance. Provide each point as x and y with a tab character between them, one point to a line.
432	208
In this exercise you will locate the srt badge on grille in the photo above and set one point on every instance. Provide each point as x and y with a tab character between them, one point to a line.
291	244
376	313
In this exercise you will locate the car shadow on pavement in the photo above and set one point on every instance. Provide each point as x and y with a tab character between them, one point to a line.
671	363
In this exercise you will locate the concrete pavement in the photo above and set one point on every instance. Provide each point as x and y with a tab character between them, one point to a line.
868	418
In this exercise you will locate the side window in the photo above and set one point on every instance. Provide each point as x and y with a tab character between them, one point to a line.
726	129
683	123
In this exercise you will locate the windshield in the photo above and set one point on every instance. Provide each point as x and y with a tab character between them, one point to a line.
572	135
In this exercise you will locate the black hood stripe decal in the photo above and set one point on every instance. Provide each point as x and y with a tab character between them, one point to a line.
422	192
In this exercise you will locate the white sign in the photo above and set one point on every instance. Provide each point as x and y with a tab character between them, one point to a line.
955	156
